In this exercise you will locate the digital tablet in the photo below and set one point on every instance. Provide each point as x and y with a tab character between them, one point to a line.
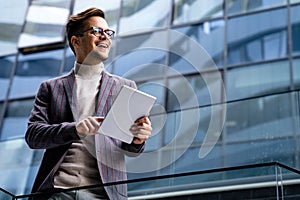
129	105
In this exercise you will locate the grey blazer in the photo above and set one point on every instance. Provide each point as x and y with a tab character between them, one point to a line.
51	126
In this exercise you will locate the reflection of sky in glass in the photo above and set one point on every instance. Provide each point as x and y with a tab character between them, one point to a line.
257	37
6	64
32	70
155	14
16	167
237	6
257	80
44	23
209	36
11	20
186	11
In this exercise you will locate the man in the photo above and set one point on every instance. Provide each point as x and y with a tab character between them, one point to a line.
68	111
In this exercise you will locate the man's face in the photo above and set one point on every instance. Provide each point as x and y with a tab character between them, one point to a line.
89	48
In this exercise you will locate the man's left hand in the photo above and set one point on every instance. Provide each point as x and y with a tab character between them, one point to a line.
141	130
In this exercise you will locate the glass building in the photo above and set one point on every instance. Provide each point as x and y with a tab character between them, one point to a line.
226	74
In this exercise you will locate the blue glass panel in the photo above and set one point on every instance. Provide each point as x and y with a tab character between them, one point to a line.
257	37
294	1
155	88
48	28
262	118
16	168
281	150
257	80
296	73
240	6
193	91
32	70
16	118
209	47
191	10
144	15
190	161
11	22
141	57
6	66
295	20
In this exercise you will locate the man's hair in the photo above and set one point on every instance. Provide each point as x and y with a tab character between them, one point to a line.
75	24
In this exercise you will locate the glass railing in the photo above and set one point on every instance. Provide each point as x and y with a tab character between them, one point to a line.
276	181
257	130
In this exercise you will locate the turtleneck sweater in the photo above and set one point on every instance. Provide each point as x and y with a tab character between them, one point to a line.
79	167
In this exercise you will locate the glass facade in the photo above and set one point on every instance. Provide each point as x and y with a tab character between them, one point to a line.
226	74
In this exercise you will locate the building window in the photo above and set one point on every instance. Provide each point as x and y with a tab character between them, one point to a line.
141	57
140	16
193	10
15	119
201	47
295	20
6	68
44	25
32	70
240	6
257	80
257	37
11	22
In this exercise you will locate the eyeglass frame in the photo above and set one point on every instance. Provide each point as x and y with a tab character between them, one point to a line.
99	30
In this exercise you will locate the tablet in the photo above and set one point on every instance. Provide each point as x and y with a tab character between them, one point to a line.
129	105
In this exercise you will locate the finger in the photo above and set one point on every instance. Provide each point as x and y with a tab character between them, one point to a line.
92	124
99	119
82	127
141	120
143	137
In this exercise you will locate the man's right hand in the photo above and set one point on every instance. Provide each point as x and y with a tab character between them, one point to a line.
89	125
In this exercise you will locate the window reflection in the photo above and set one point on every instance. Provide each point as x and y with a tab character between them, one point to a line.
11	21
16	168
210	39
294	1
32	70
257	37
6	66
111	9
191	10
295	20
45	23
267	117
296	73
155	88
143	15
192	91
238	6
141	57
258	80
261	152
15	119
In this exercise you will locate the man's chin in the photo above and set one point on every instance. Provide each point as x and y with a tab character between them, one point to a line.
98	56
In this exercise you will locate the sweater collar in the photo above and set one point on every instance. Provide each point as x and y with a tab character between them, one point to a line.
88	71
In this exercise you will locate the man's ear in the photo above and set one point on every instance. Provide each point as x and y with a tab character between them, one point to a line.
74	41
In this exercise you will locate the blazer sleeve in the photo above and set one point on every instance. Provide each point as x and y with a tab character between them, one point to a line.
40	134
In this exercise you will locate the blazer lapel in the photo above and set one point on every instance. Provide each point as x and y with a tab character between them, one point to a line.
107	93
68	83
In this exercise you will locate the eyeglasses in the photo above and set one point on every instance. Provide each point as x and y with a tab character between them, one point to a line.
97	31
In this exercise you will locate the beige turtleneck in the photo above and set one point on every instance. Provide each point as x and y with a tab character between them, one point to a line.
79	167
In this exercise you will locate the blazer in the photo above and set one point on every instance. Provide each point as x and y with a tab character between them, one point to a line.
51	126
